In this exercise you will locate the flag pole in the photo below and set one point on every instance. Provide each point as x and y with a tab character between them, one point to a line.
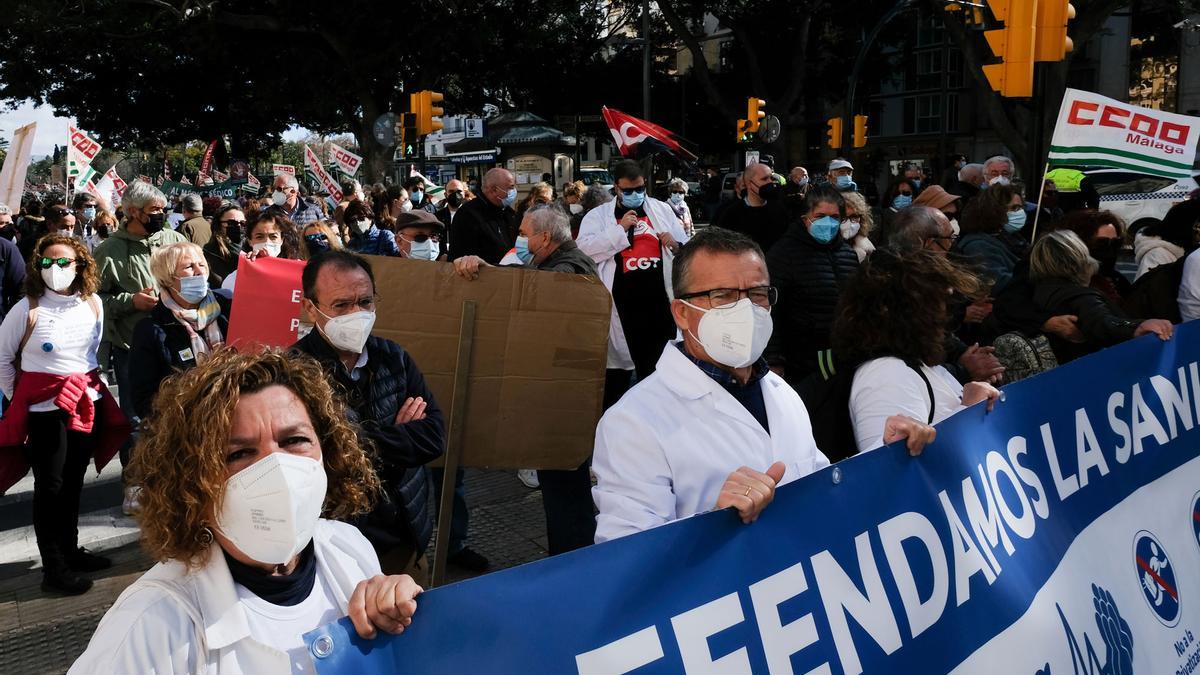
1038	212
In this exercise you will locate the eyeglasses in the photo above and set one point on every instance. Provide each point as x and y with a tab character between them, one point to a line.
239	223
629	192
678	192
853	219
63	263
344	306
317	236
719	298
952	238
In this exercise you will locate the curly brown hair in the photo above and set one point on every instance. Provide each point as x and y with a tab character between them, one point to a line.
897	305
86	281
179	461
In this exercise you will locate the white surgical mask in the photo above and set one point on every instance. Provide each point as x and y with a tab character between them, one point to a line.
271	247
954	226
850	228
1000	180
348	332
362	225
271	507
406	207
576	209
676	198
278	198
734	336
58	279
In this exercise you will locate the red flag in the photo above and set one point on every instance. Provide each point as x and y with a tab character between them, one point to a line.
206	163
638	138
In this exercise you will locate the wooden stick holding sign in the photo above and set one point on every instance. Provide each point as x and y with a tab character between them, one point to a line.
454	440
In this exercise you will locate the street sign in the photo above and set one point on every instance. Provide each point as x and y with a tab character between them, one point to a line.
751	157
768	130
385	129
474	127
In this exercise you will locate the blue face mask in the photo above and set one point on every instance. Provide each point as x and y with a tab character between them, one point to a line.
193	289
825	229
523	252
845	182
901	201
510	198
1016	221
633	201
89	213
415	197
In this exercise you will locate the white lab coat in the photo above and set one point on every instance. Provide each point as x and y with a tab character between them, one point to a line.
173	621
665	449
602	237
1189	287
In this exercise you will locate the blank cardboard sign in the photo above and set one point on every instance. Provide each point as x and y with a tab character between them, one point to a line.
535	382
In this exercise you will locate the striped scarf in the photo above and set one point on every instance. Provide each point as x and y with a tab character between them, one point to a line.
202	319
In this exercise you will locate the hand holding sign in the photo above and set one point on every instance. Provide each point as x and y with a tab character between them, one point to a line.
749	491
386	603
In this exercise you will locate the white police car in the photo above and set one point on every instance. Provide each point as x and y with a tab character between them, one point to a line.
1139	199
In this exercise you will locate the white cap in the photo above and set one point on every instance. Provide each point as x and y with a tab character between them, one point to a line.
840	164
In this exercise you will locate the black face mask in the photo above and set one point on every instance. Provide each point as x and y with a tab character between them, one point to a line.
234	232
8	232
768	191
154	222
454	199
1105	251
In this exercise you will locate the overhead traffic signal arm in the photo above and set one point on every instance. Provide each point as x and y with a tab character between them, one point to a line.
1014	46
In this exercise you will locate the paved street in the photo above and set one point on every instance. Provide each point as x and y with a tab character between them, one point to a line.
44	634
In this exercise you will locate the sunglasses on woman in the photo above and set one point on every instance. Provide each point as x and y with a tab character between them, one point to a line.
63	263
319	236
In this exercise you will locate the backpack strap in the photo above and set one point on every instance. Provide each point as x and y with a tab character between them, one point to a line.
30	323
928	388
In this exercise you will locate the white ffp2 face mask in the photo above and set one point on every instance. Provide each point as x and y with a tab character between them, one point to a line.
58	279
279	198
348	332
271	507
734	336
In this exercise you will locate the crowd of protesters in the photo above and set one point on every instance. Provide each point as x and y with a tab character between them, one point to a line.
800	327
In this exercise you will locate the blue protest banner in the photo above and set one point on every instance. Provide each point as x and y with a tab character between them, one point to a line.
1057	534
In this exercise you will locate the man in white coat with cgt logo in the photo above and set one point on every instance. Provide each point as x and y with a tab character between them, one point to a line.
713	427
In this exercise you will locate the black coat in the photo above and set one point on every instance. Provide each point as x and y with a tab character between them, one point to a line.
1102	323
810	277
161	347
483	229
401	450
764	224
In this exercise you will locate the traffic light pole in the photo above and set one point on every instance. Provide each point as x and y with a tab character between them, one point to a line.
860	61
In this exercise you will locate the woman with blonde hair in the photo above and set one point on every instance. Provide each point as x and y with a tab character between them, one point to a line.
185	327
49	372
318	237
856	227
539	193
245	454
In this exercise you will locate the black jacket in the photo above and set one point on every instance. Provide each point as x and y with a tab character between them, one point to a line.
401	450
219	266
569	259
160	347
1102	323
12	276
483	229
810	277
764	224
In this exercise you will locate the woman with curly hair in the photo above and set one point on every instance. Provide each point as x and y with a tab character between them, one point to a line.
989	225
856	227
48	369
232	511
892	320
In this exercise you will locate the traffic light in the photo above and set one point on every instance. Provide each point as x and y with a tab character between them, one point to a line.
422	104
743	131
835	133
406	135
1051	41
1014	45
860	131
754	115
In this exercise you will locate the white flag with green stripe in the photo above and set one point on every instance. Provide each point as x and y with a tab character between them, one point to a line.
1096	131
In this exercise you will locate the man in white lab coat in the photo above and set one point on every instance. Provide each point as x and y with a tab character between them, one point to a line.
713	427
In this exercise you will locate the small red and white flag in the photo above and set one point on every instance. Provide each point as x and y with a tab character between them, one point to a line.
639	138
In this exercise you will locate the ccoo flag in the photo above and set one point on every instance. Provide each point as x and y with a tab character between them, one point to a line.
639	138
1095	131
